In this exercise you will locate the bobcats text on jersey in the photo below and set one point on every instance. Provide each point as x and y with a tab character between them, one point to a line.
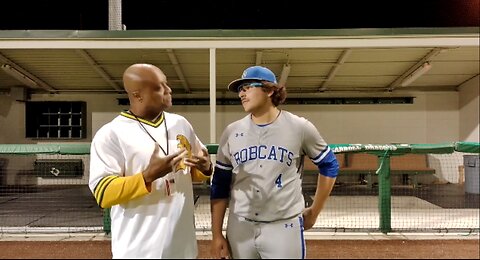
263	152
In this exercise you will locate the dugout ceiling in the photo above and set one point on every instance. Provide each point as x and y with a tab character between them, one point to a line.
319	63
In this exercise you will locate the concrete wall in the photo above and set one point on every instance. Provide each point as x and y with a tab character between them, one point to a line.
434	117
469	110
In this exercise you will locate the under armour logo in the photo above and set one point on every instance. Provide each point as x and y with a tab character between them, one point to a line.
289	225
238	134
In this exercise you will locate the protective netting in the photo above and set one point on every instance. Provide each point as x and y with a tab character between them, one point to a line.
381	187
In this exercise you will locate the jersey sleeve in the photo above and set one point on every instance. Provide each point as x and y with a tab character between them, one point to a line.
198	175
106	180
105	157
222	175
319	152
113	190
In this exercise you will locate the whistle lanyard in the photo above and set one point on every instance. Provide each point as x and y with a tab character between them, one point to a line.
146	131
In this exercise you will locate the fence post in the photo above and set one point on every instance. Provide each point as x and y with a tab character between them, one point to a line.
107	228
384	192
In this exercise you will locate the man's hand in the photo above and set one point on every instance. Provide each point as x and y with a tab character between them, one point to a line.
324	187
200	161
219	248
161	166
309	218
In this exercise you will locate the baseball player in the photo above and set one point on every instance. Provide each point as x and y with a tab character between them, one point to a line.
258	175
141	165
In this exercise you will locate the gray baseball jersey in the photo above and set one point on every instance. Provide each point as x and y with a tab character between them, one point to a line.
258	166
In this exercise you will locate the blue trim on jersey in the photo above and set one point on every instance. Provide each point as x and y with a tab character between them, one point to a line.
221	182
302	238
322	155
328	166
223	166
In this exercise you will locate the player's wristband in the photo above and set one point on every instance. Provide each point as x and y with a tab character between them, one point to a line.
209	171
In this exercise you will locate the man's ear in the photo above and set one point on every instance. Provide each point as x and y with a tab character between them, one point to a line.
136	95
270	92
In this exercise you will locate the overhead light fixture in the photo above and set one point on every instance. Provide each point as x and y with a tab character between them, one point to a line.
19	76
416	74
284	75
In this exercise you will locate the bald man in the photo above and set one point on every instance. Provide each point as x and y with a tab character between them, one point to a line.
142	165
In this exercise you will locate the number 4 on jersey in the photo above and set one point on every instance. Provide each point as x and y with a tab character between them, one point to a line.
278	181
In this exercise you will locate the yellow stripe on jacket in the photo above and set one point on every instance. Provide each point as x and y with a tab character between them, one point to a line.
113	190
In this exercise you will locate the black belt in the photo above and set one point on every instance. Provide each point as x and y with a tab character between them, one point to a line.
258	221
264	222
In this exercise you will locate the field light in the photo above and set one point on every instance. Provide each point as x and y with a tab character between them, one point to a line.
416	74
19	76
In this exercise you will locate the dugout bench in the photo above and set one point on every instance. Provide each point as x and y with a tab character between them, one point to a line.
409	166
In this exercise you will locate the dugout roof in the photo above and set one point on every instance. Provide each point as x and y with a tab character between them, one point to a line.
310	62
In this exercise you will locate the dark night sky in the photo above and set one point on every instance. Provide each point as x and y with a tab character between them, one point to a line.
234	14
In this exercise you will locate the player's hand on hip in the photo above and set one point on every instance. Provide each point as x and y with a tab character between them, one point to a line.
219	248
201	161
309	218
161	166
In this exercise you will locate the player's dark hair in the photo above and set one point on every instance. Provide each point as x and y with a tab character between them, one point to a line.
279	92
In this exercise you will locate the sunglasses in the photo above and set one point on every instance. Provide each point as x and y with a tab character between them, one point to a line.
246	86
